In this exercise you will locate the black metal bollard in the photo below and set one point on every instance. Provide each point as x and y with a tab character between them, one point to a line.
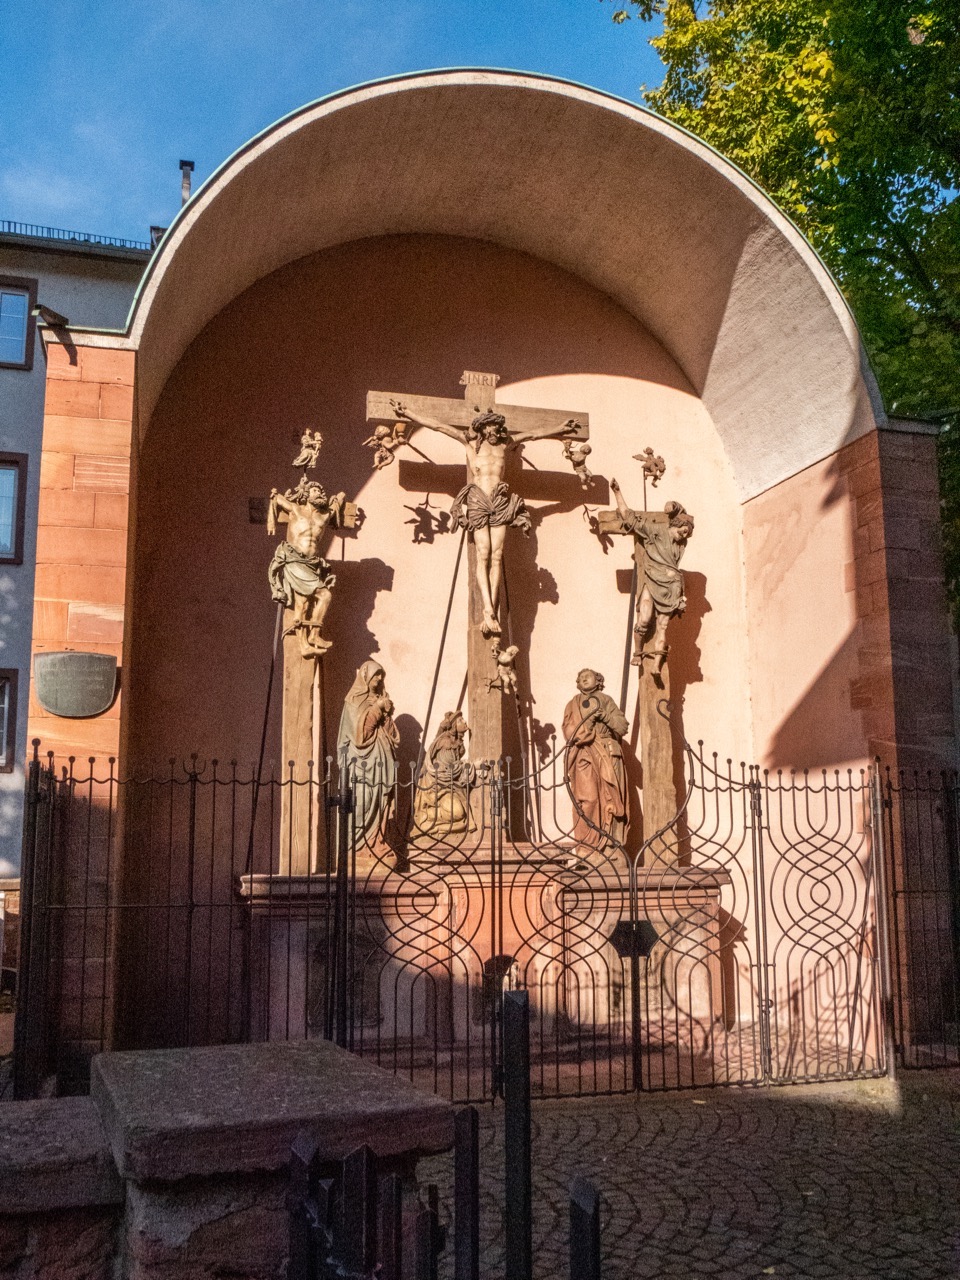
584	1230
391	1227
466	1186
359	1209
301	1207
518	1211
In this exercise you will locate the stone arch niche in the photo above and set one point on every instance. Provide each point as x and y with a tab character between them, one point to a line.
761	349
300	348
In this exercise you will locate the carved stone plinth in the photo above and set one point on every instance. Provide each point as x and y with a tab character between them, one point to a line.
682	979
429	950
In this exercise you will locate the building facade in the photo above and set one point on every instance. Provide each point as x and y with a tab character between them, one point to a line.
84	279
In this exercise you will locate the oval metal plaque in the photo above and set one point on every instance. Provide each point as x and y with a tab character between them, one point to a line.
75	685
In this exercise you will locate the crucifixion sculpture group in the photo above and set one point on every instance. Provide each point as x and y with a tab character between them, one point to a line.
484	507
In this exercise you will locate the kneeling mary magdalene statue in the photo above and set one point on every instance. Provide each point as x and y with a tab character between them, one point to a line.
367	748
593	726
442	806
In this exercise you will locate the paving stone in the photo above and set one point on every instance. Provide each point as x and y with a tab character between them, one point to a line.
801	1185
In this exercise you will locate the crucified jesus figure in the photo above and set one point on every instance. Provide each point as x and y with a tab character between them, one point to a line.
484	506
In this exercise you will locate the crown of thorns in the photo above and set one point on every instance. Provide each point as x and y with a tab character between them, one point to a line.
488	419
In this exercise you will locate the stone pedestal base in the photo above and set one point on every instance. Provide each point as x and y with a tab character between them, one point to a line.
428	952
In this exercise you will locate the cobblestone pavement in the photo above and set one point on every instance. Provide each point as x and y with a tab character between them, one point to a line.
823	1183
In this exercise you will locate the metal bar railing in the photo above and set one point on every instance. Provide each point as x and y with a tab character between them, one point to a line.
518	1224
466	1194
59	233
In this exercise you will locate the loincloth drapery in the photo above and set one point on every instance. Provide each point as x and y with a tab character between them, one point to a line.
473	509
665	585
294	574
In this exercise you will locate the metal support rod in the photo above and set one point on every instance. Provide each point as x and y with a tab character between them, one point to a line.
466	1184
443	640
584	1230
879	855
191	899
344	803
26	1037
277	628
516	1122
636	1018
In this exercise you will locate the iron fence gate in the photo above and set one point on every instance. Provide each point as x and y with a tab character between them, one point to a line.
750	950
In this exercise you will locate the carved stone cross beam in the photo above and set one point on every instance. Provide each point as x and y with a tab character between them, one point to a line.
480	395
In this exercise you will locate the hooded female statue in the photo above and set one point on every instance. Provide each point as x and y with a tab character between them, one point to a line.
367	747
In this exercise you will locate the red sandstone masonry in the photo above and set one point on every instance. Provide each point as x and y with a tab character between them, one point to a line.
82	526
191	1184
106	366
904	691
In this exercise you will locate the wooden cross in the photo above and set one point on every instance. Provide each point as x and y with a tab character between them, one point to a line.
656	738
485	708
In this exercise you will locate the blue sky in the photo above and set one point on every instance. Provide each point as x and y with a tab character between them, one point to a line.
108	95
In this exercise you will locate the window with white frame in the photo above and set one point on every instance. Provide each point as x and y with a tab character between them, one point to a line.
18	297
13	495
8	719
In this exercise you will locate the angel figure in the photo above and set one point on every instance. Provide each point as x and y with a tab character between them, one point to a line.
653	465
384	441
310	444
576	452
506	678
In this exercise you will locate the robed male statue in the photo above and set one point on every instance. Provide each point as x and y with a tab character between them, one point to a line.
593	726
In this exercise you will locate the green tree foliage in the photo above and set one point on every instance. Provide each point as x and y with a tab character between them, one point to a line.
848	113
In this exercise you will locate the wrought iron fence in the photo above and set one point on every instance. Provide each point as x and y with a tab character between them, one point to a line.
357	1220
920	812
742	944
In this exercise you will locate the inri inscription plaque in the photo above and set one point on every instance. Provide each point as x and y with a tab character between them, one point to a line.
75	685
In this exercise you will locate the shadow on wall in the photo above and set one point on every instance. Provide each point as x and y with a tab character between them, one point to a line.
801	741
886	690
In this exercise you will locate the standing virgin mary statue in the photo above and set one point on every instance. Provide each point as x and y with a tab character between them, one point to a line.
367	749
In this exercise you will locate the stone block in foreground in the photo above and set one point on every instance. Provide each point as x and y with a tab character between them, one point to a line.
178	1113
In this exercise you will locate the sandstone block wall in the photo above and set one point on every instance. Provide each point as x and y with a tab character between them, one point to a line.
82	528
905	691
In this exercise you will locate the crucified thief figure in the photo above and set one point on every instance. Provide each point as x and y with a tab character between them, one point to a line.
300	578
659	544
484	506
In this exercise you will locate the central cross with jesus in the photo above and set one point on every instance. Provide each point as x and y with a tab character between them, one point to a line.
484	507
